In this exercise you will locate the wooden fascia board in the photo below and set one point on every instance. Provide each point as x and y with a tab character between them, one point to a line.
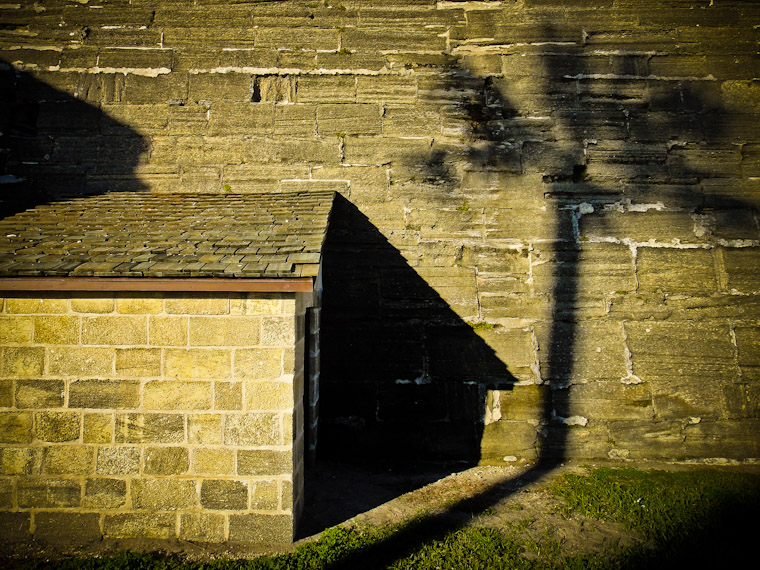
155	284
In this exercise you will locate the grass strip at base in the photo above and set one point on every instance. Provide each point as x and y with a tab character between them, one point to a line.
694	517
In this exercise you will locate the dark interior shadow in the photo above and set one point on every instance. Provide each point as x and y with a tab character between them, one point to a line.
355	387
53	145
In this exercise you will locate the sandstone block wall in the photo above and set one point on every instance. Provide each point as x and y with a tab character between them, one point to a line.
548	240
151	416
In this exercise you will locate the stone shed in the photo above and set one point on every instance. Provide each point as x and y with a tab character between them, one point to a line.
158	359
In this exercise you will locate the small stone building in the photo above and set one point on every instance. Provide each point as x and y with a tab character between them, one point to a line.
158	359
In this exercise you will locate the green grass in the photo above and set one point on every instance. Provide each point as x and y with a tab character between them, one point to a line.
684	517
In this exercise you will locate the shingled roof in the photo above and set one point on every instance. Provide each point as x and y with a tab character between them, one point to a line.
161	235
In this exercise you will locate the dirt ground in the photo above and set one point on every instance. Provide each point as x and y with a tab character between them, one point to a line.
508	497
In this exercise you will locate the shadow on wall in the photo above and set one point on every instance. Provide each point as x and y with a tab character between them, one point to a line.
372	414
410	378
54	145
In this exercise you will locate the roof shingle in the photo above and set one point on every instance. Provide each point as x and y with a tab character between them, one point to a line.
162	235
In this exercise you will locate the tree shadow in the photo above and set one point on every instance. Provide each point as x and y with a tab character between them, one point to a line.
54	145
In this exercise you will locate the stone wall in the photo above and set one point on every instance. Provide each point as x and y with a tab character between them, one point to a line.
151	416
547	244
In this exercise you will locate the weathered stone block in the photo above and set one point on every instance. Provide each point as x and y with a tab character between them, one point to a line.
723	439
735	224
103	493
197	363
164	494
228	395
261	529
535	224
113	394
251	429
213	461
22	361
676	270
359	118
265	496
409	120
139	305
696	161
150	428
48	493
16	329
258	363
166	460
177	395
679	396
274	88
637	440
198	305
32	306
608	401
224	494
506	437
202	527
743	268
114	330
685	350
264	462
56	330
295	120
69	460
268	396
523	403
169	88
406	154
97	428
57	426
188	119
118	461
204	428
79	361
40	393
326	88
740	96
581	351
224	331
138	362
168	331
597	268
277	331
241	118
67	529
139	525
21	460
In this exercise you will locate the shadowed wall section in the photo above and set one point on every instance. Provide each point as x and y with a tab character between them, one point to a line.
57	142
406	379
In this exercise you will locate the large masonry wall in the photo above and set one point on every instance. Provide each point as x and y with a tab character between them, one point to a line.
547	242
150	416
